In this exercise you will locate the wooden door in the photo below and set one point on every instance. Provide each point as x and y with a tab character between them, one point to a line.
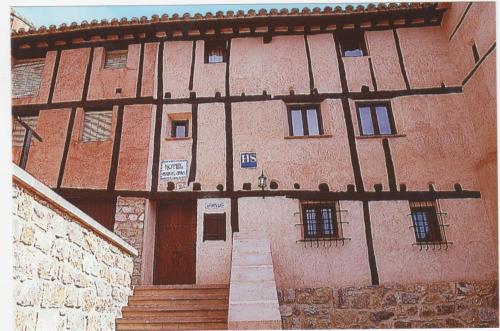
175	247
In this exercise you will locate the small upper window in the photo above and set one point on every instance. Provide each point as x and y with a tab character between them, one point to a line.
215	51
305	120
375	119
352	44
180	129
320	220
214	226
115	59
425	222
19	132
97	125
26	77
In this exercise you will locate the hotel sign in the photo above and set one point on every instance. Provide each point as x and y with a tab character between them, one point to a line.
248	160
173	169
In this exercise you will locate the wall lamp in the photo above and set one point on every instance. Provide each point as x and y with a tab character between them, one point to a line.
262	182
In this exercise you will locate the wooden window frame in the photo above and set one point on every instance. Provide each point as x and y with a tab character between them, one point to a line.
210	44
336	233
174	125
114	48
305	125
349	36
435	234
217	217
373	112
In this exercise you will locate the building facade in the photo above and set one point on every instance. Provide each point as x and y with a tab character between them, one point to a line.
375	130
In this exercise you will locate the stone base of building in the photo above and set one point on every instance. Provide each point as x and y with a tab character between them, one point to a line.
436	305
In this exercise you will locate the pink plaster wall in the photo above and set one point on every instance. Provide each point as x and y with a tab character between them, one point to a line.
103	82
385	61
43	92
277	67
71	75
175	149
149	74
134	148
307	161
209	78
372	163
213	257
45	157
452	16
357	70
324	63
177	58
473	255
426	57
298	266
88	163
211	149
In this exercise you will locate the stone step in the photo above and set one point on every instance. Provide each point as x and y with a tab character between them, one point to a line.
169	301
183	290
216	311
177	323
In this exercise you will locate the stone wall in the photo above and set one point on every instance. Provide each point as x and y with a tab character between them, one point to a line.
129	225
69	272
437	305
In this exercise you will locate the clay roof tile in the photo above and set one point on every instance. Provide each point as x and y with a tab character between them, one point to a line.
230	13
240	13
262	12
295	11
219	14
164	18
284	11
337	9
273	12
251	12
306	10
327	10
317	10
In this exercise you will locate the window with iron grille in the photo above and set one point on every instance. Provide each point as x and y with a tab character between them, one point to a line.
375	119
215	51
320	220
352	43
97	125
214	226
305	120
427	223
26	77
115	59
180	129
19	132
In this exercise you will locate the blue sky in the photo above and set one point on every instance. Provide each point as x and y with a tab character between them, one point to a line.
57	15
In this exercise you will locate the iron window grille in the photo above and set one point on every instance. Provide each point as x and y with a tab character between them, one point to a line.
180	129
214	226
321	223
19	131
215	51
305	120
115	59
375	119
352	43
428	225
97	125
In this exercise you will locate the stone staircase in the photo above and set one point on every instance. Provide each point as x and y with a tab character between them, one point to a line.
184	307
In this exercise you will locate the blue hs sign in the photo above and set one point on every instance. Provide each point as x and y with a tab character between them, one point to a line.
248	160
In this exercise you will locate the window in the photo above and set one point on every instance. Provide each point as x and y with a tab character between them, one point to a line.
97	125
26	77
305	120
215	51
179	129
214	226
18	131
320	220
425	222
115	59
352	44
375	119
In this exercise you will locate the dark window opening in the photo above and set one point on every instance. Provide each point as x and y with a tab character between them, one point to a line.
97	125
352	44
320	221
475	53
19	132
115	59
214	226
215	51
305	120
179	129
425	223
375	119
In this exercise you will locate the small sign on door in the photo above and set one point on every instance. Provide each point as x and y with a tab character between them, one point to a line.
173	169
248	160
